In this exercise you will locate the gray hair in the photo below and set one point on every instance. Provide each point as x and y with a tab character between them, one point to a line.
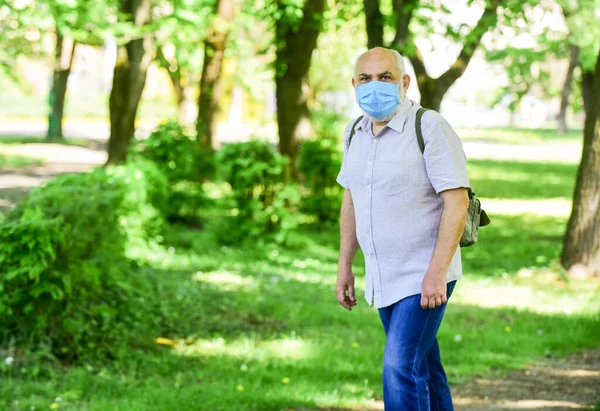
399	60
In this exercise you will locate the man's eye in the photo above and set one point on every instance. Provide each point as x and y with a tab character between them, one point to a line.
385	77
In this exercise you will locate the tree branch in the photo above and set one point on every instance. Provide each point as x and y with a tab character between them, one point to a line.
488	19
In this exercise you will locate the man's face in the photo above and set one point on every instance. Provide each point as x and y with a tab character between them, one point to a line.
378	65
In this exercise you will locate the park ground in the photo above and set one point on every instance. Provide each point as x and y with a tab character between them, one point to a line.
260	329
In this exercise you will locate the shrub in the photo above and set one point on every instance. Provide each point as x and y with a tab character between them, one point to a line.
177	154
264	204
319	165
65	281
184	164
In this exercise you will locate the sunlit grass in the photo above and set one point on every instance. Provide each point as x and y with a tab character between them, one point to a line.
9	161
12	140
519	136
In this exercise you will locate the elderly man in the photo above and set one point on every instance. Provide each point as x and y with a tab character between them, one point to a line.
406	209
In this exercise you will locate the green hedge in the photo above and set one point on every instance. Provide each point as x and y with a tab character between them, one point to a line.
65	281
185	164
265	206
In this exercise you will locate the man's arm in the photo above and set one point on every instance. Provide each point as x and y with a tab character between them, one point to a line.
452	225
348	247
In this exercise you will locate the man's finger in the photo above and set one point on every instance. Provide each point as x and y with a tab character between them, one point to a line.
340	294
424	302
444	299
351	293
431	302
438	301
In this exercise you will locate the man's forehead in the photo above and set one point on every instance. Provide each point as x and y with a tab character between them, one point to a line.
377	61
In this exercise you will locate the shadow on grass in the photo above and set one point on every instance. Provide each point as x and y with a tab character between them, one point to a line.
522	180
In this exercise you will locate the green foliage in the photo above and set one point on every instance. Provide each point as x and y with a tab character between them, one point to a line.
319	163
264	203
184	164
176	153
66	282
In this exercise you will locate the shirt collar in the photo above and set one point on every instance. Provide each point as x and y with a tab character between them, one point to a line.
397	122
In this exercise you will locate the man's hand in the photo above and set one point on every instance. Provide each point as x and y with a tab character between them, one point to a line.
344	289
433	291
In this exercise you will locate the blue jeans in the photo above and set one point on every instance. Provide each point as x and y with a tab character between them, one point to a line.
413	375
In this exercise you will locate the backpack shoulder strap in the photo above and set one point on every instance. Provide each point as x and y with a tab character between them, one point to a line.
418	127
354	130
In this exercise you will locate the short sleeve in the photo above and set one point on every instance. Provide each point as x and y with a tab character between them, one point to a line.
342	178
444	156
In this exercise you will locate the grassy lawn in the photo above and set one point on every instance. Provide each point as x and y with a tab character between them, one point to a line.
258	328
513	135
13	161
93	107
12	140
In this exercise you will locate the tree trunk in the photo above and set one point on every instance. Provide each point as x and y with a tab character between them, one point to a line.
295	45
567	89
581	246
375	23
63	61
133	60
210	84
587	85
432	89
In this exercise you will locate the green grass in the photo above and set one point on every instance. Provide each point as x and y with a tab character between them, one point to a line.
97	107
18	161
522	180
10	140
258	328
512	135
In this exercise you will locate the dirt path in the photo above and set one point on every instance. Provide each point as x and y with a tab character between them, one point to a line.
15	182
550	385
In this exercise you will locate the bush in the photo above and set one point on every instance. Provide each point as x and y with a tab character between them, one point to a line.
177	154
184	164
65	281
319	165
264	204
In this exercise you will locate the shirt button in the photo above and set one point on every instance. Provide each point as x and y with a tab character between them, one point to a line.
374	140
367	210
370	163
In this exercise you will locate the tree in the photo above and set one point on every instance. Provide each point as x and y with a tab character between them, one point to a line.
432	89
179	33
78	21
133	59
15	23
581	244
296	33
210	83
567	88
63	61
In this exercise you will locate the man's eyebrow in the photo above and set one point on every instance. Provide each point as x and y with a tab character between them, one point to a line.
364	75
385	73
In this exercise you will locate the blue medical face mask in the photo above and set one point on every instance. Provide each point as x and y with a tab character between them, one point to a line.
378	98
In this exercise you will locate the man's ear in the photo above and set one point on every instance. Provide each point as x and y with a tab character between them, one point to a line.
353	82
406	81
